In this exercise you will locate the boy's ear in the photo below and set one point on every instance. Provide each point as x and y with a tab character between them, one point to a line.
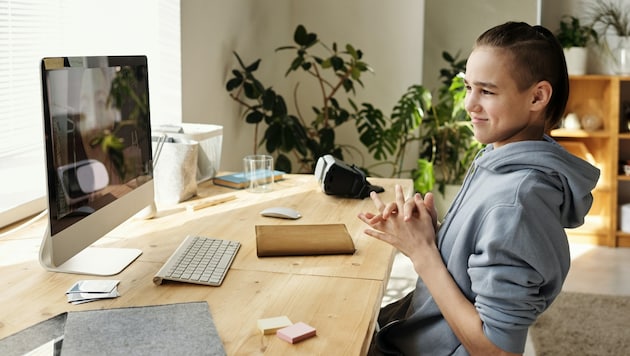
541	95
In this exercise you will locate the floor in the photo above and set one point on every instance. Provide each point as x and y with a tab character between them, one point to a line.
594	269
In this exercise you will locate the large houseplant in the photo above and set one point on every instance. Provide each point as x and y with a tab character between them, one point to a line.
299	137
448	146
302	138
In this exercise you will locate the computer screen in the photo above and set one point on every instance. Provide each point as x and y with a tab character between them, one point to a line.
97	138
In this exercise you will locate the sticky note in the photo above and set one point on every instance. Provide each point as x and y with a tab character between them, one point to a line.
296	332
271	325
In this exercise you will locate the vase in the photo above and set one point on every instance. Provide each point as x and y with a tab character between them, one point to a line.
620	48
591	122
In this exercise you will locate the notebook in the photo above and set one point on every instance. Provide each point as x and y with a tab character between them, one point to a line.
303	240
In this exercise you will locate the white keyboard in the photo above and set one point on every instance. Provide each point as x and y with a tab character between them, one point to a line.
200	260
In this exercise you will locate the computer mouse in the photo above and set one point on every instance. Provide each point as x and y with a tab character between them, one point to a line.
281	212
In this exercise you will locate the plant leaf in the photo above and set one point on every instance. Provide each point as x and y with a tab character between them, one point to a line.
254	117
268	99
233	83
283	163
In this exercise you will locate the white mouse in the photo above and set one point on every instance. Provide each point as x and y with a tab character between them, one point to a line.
281	212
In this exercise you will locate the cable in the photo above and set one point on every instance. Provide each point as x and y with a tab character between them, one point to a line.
24	224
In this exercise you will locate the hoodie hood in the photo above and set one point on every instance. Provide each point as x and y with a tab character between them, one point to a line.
577	177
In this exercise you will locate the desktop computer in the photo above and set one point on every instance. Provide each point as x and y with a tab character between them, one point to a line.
97	138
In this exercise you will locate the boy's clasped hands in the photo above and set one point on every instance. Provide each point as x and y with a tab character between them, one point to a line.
409	225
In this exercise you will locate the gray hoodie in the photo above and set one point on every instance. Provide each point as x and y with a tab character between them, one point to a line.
504	243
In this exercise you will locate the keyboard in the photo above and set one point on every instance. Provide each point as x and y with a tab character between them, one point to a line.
199	260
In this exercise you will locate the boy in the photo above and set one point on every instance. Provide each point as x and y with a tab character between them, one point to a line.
501	255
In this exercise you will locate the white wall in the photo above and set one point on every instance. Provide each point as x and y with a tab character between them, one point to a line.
388	32
211	31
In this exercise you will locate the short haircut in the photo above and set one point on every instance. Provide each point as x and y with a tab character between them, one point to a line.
538	56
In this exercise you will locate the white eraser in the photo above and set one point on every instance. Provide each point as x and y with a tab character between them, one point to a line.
271	325
296	332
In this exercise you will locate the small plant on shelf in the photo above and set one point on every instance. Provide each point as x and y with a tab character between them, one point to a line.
573	33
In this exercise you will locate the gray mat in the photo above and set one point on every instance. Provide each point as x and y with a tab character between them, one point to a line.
173	329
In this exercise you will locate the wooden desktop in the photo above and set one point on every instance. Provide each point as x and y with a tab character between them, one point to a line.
338	295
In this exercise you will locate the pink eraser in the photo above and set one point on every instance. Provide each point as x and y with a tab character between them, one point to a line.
296	332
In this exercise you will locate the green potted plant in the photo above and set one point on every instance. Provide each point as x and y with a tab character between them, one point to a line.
574	37
448	145
611	20
298	137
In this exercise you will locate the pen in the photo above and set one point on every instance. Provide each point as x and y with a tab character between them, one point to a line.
210	202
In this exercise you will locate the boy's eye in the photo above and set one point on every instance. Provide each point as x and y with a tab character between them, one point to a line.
486	92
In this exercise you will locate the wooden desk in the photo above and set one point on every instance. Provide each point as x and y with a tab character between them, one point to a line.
338	295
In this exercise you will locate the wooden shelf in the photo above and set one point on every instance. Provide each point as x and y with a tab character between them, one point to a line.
600	95
623	239
578	133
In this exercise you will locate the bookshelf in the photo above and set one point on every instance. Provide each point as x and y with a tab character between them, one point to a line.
607	147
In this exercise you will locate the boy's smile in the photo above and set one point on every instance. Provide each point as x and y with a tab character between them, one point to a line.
500	112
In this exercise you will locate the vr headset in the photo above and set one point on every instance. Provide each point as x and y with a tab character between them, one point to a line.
338	178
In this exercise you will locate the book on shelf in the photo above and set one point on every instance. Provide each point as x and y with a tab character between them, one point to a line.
239	181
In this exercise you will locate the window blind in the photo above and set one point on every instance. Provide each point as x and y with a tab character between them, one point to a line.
33	29
23	31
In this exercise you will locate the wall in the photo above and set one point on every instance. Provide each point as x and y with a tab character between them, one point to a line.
389	33
453	26
392	34
211	31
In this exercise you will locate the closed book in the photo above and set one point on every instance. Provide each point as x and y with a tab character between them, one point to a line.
239	181
303	240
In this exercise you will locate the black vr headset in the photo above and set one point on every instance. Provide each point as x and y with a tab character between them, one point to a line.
338	178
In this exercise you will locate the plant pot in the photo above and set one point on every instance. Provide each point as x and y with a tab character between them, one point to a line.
576	58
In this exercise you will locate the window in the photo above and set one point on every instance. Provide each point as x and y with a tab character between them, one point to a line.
33	29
